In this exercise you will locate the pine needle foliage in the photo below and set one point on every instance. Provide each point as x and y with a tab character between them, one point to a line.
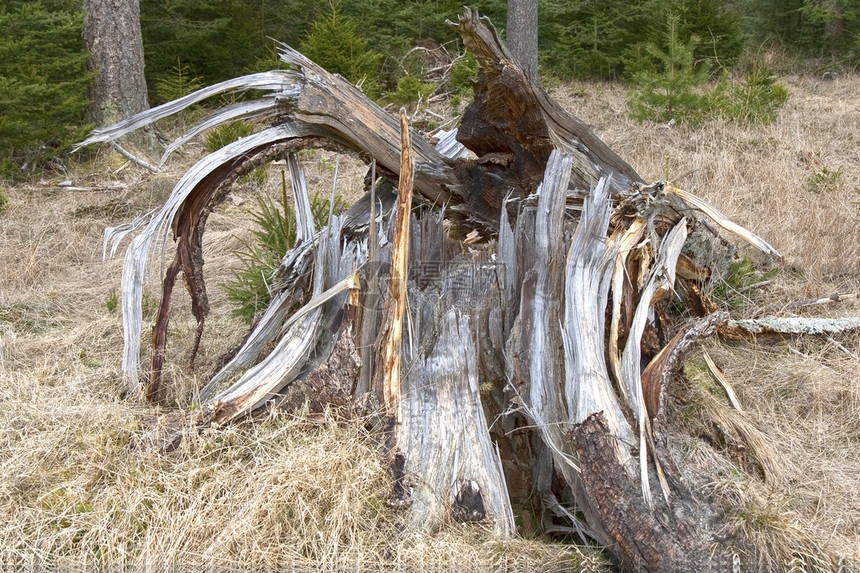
249	290
220	136
757	98
179	82
43	81
334	42
671	87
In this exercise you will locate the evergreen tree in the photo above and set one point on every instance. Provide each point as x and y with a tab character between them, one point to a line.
334	42
716	25
809	28
606	39
589	38
42	80
218	39
668	90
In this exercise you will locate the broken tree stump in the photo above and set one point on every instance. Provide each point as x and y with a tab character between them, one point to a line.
562	236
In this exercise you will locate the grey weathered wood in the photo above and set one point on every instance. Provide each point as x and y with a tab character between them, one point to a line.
269	325
443	434
660	280
282	365
795	325
534	350
588	386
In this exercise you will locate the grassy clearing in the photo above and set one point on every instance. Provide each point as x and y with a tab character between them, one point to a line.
78	490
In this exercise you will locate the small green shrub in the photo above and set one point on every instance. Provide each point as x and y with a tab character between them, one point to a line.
249	290
4	200
672	85
463	71
178	83
149	304
227	133
758	98
744	275
111	301
825	179
411	92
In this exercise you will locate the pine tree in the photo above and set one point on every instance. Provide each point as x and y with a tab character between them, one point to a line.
334	42
669	88
42	81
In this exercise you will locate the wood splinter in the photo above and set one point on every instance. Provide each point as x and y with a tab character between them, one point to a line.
399	264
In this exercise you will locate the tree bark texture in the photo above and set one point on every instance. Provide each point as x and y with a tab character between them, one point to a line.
112	36
522	35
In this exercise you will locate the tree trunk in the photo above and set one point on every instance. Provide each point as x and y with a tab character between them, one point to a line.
112	36
499	368
522	35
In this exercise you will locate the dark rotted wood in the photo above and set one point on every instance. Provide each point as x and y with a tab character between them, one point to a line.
332	383
699	305
637	537
506	130
511	113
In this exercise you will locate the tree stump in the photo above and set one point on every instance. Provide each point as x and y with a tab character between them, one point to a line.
534	352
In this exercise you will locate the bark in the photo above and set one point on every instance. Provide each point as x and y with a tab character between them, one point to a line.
635	534
522	35
112	36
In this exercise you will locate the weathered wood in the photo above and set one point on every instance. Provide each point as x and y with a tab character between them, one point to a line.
807	302
667	363
721	219
660	282
521	335
512	126
399	271
621	294
536	368
588	387
369	309
452	465
282	365
535	346
780	326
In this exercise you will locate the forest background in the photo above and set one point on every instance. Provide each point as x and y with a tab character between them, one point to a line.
191	43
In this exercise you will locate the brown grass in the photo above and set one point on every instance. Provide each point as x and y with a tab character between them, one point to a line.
77	491
801	397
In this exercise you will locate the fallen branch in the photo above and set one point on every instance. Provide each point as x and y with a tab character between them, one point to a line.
134	159
779	326
807	302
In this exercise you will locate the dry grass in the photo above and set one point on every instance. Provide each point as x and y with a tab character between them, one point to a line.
80	489
761	177
785	471
77	491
